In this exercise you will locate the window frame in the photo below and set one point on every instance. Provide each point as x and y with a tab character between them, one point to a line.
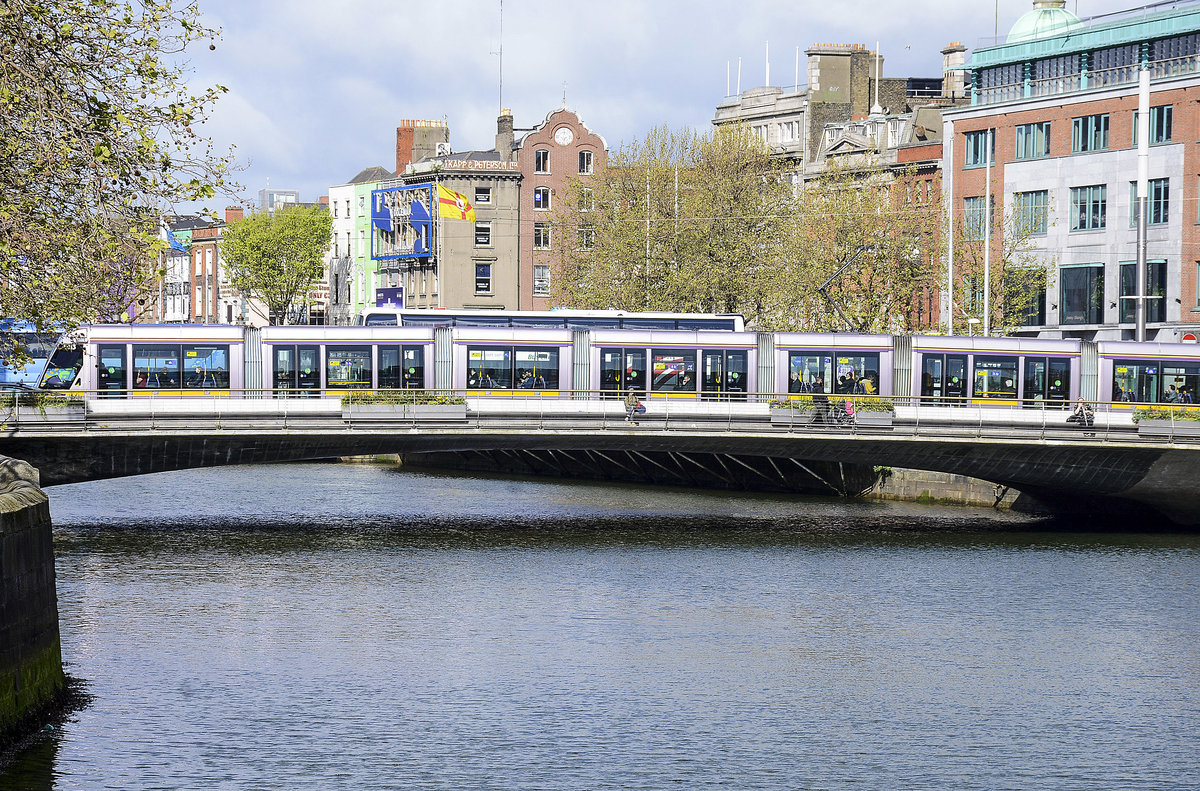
542	195
1085	197
1032	141
483	277
541	160
483	231
588	156
541	236
483	196
975	143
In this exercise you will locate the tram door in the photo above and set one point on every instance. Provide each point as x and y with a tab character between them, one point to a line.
110	369
402	366
621	369
297	368
724	372
1047	380
944	376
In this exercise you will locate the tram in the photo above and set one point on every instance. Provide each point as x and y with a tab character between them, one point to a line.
39	346
682	356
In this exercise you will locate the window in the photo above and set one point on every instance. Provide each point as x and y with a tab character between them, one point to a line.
347	366
541	280
587	237
1031	211
1153	381
673	370
587	199
1033	140
622	369
995	377
483	195
1158	204
483	234
585	162
506	367
402	366
1082	294
1160	125
541	199
981	148
541	236
1047	379
1089	133
483	278
1089	208
541	161
974	216
1156	280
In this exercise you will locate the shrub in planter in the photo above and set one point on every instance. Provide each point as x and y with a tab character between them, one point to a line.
403	398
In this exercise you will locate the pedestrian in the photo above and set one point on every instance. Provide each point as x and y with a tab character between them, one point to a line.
631	405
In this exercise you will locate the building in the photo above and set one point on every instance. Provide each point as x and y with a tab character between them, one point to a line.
352	273
1053	110
550	155
845	85
501	259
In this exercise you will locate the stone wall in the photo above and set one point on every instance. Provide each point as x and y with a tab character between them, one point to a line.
921	486
31	673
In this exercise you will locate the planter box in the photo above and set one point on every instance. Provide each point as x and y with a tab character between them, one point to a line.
1168	428
790	417
405	412
874	419
51	413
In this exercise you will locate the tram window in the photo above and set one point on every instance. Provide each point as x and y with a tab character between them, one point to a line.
809	373
285	367
537	369
1184	379
413	373
110	367
489	368
348	366
1135	381
1046	379
724	372
381	320
308	370
62	368
673	370
428	321
205	367
155	367
538	322
481	321
647	324
621	369
389	366
857	373
944	376
995	377
589	323
704	324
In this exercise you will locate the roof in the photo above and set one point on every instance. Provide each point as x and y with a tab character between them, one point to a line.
377	173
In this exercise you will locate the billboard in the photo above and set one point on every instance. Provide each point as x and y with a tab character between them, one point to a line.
402	222
389	297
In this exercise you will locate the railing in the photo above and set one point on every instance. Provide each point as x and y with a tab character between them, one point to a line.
1086	81
588	410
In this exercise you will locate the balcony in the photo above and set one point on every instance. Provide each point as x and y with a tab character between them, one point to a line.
1084	81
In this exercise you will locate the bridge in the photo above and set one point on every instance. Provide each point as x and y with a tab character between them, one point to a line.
1112	466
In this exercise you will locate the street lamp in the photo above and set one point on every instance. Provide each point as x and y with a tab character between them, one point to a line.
971	323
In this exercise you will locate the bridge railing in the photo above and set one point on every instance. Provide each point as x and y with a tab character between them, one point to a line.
794	413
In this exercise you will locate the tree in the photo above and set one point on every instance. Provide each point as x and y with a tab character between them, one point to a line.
277	257
860	255
713	224
678	221
1018	270
98	141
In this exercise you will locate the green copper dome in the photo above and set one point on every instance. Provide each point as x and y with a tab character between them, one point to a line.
1048	18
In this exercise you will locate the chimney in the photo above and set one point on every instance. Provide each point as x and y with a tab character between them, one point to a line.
954	75
504	135
233	214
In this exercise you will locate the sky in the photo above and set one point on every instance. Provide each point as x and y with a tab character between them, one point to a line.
317	88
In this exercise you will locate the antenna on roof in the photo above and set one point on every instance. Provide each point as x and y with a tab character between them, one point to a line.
564	104
739	84
768	82
500	52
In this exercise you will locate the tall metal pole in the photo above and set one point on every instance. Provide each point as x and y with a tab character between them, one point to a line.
1142	190
948	201
987	236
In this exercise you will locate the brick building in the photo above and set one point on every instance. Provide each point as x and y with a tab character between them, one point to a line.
1053	107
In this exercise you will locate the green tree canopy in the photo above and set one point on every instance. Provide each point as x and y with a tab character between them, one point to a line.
713	223
277	258
98	140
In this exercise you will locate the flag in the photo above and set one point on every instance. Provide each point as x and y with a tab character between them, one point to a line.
453	205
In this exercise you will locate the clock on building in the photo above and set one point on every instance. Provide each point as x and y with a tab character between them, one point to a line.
564	136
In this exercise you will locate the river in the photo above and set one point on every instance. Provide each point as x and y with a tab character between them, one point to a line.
346	626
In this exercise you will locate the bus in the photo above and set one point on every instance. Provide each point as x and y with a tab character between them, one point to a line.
23	335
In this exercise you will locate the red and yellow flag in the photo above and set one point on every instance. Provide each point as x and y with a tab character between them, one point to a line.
453	205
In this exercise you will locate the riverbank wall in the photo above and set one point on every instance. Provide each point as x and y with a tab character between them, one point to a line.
31	671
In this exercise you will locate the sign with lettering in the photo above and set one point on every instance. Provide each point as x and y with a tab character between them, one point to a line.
402	222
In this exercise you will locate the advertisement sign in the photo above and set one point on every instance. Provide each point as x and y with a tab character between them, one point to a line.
402	222
389	297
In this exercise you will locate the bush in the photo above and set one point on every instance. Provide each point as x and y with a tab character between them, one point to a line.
795	403
1176	413
402	397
